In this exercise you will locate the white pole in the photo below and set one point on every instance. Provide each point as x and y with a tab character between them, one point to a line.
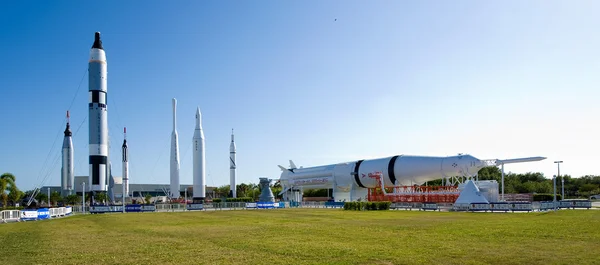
562	179
123	195
83	199
554	181
502	181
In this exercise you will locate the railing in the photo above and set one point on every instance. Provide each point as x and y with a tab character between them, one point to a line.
10	216
34	214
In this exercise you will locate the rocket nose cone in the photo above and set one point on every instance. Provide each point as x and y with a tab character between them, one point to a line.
97	41
198	116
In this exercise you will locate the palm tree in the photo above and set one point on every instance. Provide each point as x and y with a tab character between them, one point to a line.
7	181
72	199
15	195
55	197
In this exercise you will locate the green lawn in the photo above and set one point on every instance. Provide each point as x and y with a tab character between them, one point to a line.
307	236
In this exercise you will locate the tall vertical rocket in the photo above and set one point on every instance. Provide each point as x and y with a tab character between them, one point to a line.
98	117
199	160
174	155
232	167
68	167
125	152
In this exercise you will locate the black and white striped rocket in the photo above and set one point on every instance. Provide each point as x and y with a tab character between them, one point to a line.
232	167
199	175
98	117
125	152
174	187
68	167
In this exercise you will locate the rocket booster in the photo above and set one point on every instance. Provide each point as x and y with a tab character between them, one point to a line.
125	153
232	167
98	116
68	167
199	160
401	170
174	155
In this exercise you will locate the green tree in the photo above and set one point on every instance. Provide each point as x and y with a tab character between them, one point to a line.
41	197
72	199
101	197
55	197
7	181
15	195
253	191
242	190
148	198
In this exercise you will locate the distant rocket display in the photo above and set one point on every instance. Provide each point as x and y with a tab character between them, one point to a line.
98	117
174	156
199	160
68	166
232	167
125	153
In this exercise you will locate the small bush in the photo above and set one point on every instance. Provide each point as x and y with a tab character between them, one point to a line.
367	206
11	208
241	199
545	197
217	200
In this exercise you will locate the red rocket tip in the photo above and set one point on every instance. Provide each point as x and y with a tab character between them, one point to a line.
124	129
68	116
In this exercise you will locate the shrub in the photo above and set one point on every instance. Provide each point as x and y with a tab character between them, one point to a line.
367	206
545	197
384	205
216	200
241	199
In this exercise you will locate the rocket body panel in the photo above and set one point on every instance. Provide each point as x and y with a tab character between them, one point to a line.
98	117
174	187
199	171
392	171
232	168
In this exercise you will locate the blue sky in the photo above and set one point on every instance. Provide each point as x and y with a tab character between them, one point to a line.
318	82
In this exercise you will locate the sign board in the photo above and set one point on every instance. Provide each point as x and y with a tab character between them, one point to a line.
565	204
522	206
546	205
43	213
195	206
140	208
582	204
267	205
429	206
106	209
251	205
479	207
29	215
500	206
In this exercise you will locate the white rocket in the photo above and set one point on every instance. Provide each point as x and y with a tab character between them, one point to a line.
232	167
125	153
98	117
68	167
174	156
400	170
199	160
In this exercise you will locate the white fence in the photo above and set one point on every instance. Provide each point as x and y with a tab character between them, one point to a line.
11	216
37	214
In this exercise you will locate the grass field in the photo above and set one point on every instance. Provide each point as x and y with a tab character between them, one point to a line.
307	236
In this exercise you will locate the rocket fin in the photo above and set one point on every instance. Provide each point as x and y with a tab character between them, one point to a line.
292	165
